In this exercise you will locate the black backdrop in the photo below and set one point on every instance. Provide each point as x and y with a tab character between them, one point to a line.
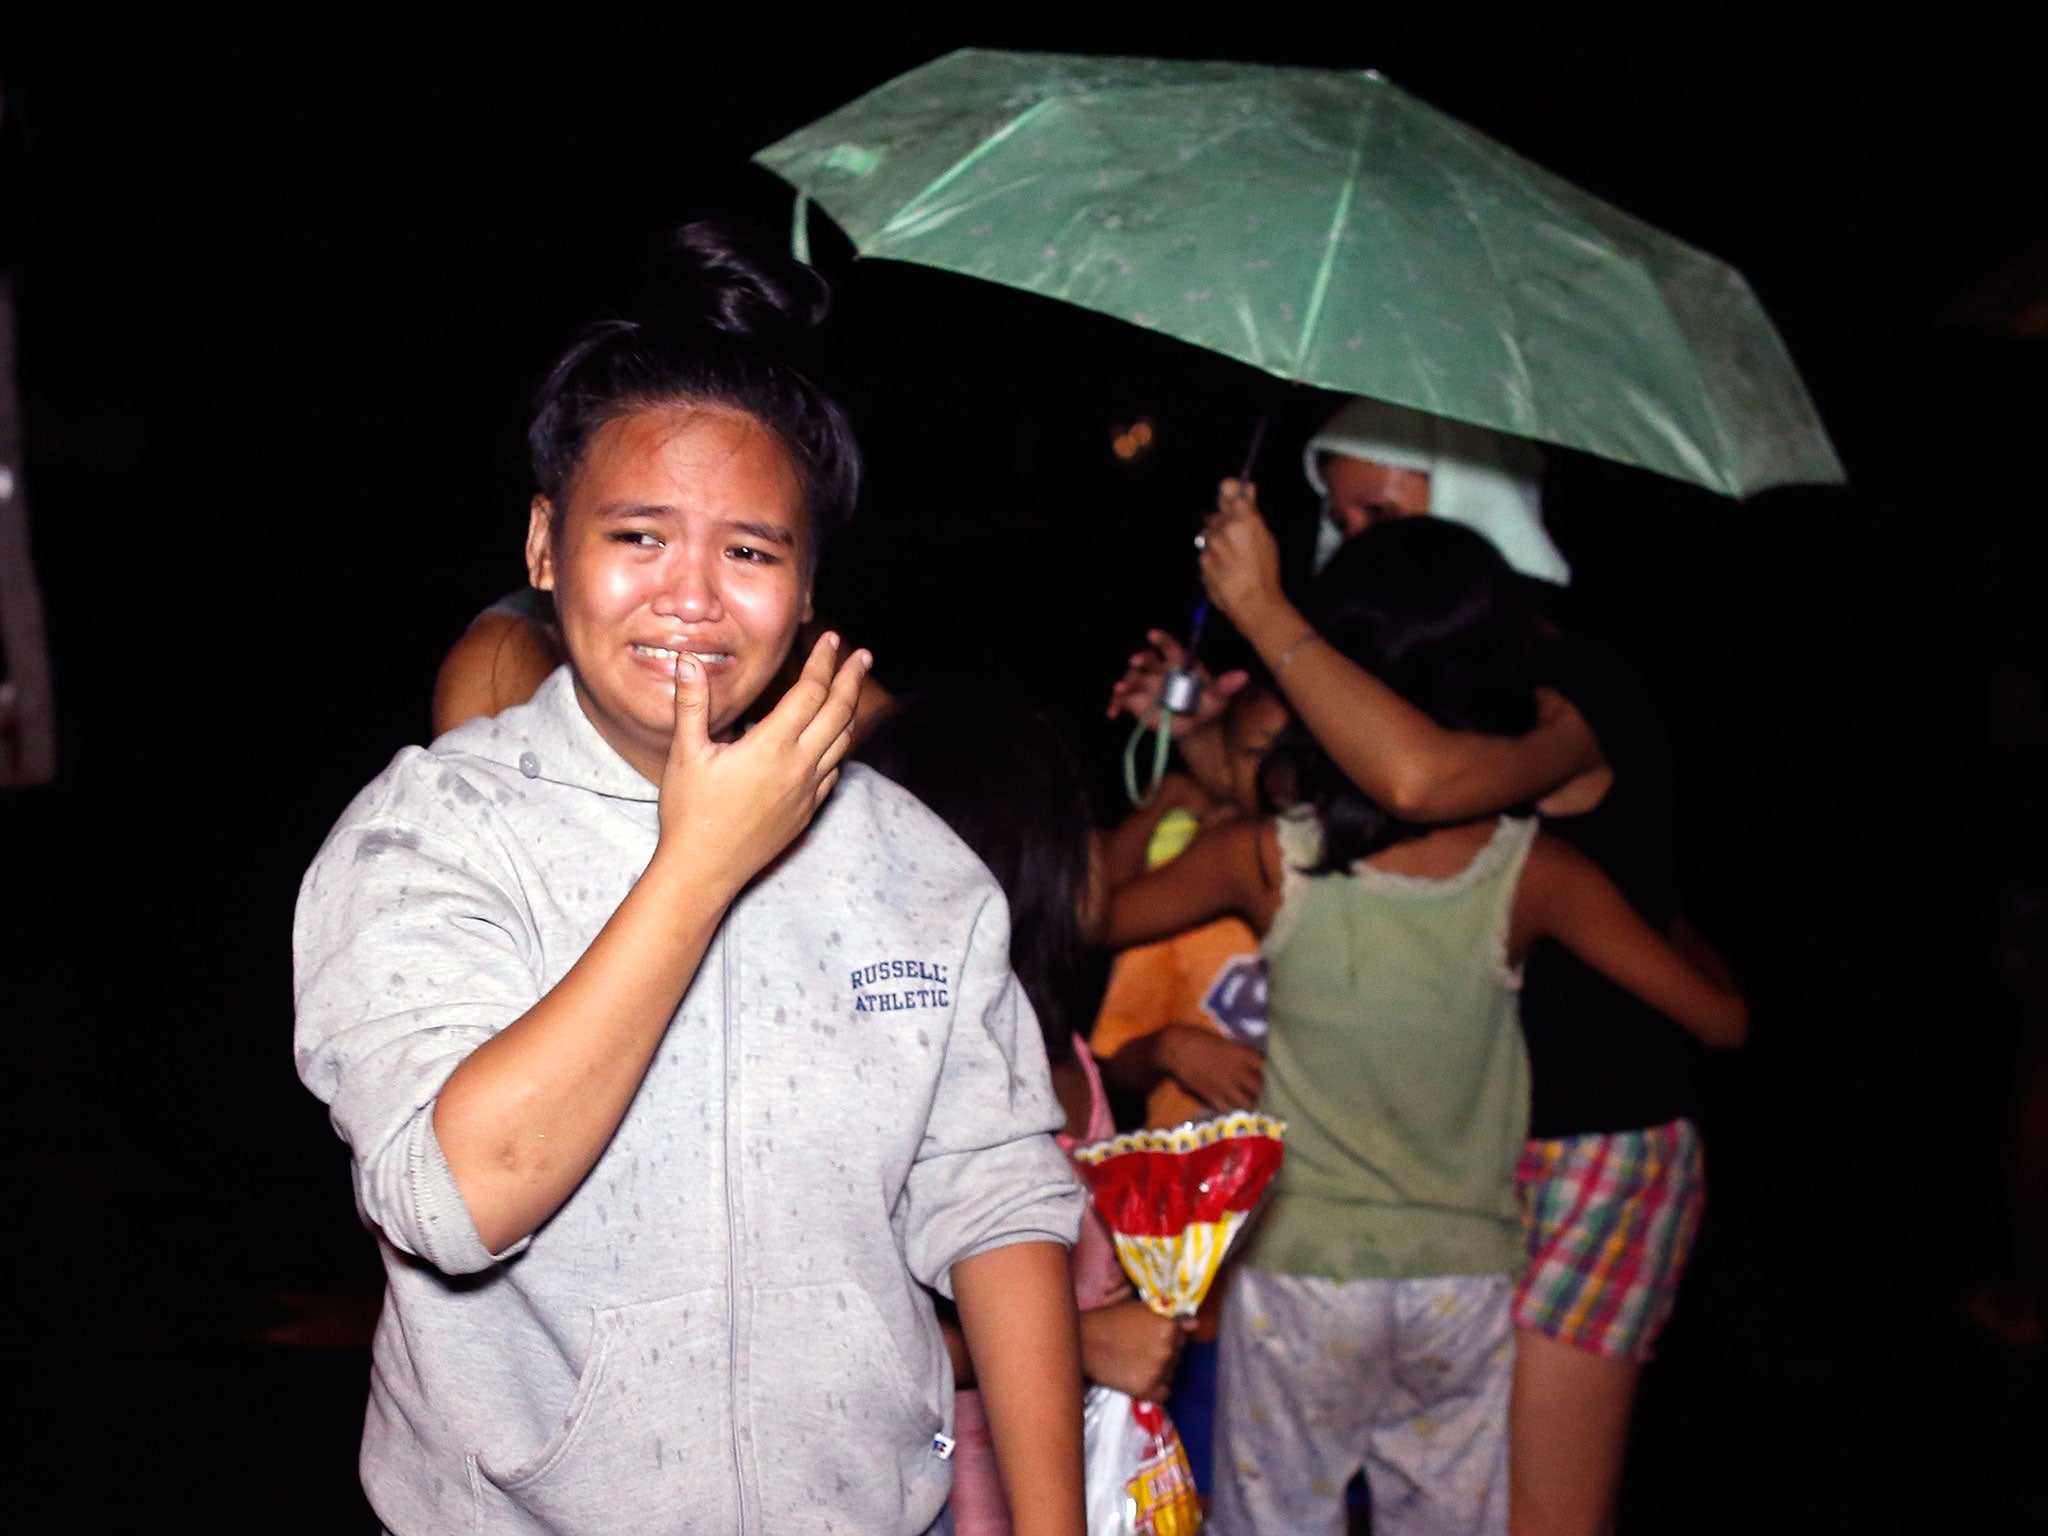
283	283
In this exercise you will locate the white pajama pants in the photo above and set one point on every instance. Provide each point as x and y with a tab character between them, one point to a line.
1406	1379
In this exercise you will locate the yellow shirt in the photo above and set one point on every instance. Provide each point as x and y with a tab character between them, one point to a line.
1211	977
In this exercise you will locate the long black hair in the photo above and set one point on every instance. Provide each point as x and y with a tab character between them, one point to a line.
1432	610
722	324
1003	777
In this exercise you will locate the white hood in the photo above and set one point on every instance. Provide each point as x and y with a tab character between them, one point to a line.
1489	482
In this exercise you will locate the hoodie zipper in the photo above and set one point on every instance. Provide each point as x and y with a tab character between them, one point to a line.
732	1266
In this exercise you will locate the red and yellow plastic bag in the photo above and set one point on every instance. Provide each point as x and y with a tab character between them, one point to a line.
1175	1201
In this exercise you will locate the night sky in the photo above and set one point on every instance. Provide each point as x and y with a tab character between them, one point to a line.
284	282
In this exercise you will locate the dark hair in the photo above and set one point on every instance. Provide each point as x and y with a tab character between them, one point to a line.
1432	610
720	328
1003	777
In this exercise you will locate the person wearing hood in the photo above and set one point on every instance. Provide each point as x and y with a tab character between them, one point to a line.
1612	1181
680	1062
1369	462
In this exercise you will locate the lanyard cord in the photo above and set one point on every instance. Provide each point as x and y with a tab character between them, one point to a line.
1162	747
1182	688
1179	692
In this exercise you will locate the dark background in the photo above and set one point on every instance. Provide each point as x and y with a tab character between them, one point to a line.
283	283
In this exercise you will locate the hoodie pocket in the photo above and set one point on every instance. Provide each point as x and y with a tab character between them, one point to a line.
646	1443
842	1425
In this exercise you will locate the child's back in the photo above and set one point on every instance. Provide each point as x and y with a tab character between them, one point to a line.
1396	1058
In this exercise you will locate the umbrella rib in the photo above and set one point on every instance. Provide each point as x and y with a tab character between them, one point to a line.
1324	270
959	168
1731	483
1511	342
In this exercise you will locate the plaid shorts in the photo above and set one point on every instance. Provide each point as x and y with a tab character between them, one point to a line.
1610	1221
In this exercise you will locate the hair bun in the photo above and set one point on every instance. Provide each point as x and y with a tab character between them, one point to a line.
714	275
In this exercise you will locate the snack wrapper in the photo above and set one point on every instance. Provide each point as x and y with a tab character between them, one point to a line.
1174	1202
1136	1472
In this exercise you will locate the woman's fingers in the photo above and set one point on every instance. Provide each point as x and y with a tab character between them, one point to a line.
1243	496
1230	535
836	749
1167	648
1251	1085
806	696
824	790
834	717
1136	691
814	683
693	706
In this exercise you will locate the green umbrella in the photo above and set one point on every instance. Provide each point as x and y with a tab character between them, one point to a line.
1327	227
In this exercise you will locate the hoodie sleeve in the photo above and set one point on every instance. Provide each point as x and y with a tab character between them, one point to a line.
407	956
988	1172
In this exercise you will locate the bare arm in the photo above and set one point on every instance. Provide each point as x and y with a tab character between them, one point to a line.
1232	868
529	1112
1564	896
1393	751
1700	950
956	1344
1124	1344
1127	1346
1123	853
1017	1312
499	661
1223	1073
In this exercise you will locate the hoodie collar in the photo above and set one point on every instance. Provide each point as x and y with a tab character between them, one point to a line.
550	738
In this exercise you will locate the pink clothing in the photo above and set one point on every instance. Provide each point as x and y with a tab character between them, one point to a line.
1097	1274
979	1508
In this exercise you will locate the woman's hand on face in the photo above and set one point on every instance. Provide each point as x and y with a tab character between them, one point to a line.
1221	1072
733	806
1137	692
1128	1346
1240	560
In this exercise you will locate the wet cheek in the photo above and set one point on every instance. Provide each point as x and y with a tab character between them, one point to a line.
765	610
620	588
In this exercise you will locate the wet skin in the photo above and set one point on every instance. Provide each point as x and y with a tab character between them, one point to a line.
1361	492
684	531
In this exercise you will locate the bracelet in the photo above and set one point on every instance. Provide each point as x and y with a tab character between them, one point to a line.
1280	661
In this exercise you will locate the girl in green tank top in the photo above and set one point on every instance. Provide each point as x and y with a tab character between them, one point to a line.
1394	954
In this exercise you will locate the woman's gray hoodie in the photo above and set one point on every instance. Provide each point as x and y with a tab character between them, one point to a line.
722	1330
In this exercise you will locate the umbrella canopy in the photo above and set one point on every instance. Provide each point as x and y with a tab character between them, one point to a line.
1329	228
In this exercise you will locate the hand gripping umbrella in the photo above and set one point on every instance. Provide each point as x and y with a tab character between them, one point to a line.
1328	228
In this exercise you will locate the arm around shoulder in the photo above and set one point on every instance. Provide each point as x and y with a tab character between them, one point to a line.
1231	868
1416	768
500	661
